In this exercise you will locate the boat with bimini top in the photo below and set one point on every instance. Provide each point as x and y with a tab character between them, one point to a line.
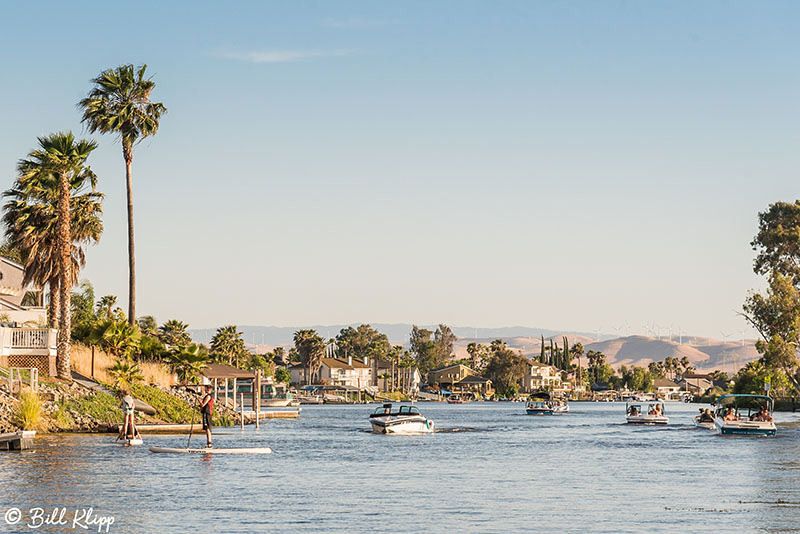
540	404
405	420
744	415
650	413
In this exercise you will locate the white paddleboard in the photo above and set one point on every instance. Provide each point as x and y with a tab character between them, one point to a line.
135	441
262	450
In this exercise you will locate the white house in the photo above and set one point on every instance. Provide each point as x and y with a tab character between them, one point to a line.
348	372
665	388
25	340
540	376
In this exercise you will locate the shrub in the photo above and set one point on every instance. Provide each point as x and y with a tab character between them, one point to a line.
28	412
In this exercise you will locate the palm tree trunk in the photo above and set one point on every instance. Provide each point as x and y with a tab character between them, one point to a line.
52	308
65	258
131	260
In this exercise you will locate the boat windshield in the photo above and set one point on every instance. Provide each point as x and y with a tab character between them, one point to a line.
409	410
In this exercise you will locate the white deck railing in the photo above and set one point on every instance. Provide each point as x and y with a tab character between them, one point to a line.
29	338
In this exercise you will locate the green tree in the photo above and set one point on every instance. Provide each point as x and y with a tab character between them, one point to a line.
61	158
188	362
424	349
777	243
227	345
117	337
148	325
174	333
478	354
31	214
119	103
505	368
283	375
444	339
125	373
310	348
363	342
751	378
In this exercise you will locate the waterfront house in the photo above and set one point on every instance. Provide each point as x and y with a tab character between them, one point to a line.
540	376
449	375
478	386
340	372
297	372
25	341
666	389
696	383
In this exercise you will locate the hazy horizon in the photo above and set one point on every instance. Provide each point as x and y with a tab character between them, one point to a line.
591	165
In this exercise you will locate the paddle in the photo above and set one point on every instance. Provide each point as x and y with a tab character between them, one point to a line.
191	427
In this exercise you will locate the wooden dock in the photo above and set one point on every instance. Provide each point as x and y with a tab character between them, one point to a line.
17	441
250	415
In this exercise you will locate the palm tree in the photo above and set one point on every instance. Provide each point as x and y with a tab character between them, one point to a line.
60	157
30	217
311	348
118	338
174	334
125	373
188	362
228	344
120	103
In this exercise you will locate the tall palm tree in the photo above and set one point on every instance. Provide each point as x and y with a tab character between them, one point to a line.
30	217
311	348
120	103
61	157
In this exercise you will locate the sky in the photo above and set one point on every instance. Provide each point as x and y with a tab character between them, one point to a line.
592	166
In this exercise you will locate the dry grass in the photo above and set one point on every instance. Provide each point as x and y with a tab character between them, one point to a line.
28	412
81	361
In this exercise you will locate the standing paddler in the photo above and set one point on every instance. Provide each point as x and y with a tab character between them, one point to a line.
207	409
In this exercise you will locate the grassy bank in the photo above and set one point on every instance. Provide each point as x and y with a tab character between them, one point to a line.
81	362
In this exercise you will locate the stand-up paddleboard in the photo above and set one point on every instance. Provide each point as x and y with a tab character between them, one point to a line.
133	441
262	450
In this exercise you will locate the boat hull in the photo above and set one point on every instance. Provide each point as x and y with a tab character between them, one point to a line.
169	450
398	426
745	428
705	425
647	420
538	411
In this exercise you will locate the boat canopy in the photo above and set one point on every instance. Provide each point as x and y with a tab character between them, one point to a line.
745	400
540	395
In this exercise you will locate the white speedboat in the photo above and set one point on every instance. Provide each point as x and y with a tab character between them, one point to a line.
651	413
744	415
705	420
405	420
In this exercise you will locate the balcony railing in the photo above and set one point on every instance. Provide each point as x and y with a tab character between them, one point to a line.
29	338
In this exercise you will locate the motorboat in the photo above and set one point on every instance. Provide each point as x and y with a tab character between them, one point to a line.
744	415
455	398
705	420
540	404
560	405
649	413
405	419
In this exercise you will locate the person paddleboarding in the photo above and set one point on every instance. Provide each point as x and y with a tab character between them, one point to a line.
207	409
128	430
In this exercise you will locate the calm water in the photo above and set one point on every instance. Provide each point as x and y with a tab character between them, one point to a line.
489	468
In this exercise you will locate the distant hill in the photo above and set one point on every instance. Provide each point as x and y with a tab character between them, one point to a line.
705	354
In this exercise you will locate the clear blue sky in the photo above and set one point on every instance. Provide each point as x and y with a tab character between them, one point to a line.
565	165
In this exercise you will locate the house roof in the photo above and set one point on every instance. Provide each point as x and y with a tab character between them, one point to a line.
452	366
534	363
221	370
696	375
472	379
335	363
664	383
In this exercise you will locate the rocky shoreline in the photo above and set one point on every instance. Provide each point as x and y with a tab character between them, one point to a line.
73	407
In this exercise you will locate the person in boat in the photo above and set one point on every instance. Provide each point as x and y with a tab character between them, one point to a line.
207	410
658	410
705	416
731	415
653	410
634	411
762	415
